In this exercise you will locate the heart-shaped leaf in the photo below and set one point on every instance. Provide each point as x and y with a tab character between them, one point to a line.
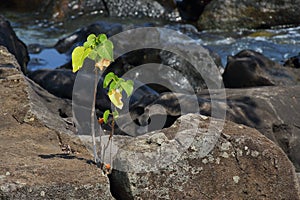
105	50
78	56
128	87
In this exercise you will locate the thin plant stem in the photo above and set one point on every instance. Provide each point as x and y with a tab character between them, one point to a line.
93	116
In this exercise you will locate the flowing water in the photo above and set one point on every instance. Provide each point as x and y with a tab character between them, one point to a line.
277	43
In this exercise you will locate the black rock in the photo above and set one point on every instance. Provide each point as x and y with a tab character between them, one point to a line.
293	62
9	39
250	69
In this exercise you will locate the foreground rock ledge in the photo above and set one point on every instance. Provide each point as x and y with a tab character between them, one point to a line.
32	164
236	163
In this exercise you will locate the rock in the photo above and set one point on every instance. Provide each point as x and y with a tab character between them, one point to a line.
33	165
15	46
249	69
177	62
252	14
158	165
58	82
71	9
293	62
24	6
67	44
271	110
190	10
7	59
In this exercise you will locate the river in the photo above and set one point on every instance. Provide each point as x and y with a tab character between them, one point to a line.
278	43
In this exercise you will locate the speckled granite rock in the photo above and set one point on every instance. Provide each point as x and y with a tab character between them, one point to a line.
236	163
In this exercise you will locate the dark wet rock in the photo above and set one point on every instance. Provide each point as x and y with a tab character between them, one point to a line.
250	69
194	159
15	46
24	6
191	9
177	61
180	65
67	44
33	165
58	82
70	9
233	14
293	62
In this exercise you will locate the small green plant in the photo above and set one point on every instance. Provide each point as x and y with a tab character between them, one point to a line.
100	49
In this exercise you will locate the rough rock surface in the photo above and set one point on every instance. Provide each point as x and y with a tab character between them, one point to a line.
32	163
9	39
66	9
274	111
251	69
236	163
219	14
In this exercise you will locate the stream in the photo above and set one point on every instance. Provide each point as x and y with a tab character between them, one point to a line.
278	43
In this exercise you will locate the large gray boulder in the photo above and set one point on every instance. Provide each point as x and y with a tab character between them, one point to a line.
274	111
219	14
34	136
195	159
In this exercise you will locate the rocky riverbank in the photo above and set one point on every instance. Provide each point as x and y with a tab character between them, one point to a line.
253	155
36	164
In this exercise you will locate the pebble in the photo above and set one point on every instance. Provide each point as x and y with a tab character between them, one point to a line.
236	179
43	193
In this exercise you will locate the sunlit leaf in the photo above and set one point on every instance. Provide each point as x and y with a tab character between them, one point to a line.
78	56
105	50
108	78
102	38
115	97
105	116
128	87
88	44
93	55
112	85
91	38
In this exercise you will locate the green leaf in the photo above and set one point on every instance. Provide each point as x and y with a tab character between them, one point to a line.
112	85
108	78
128	87
88	44
102	38
93	55
115	114
78	56
91	38
105	116
105	50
